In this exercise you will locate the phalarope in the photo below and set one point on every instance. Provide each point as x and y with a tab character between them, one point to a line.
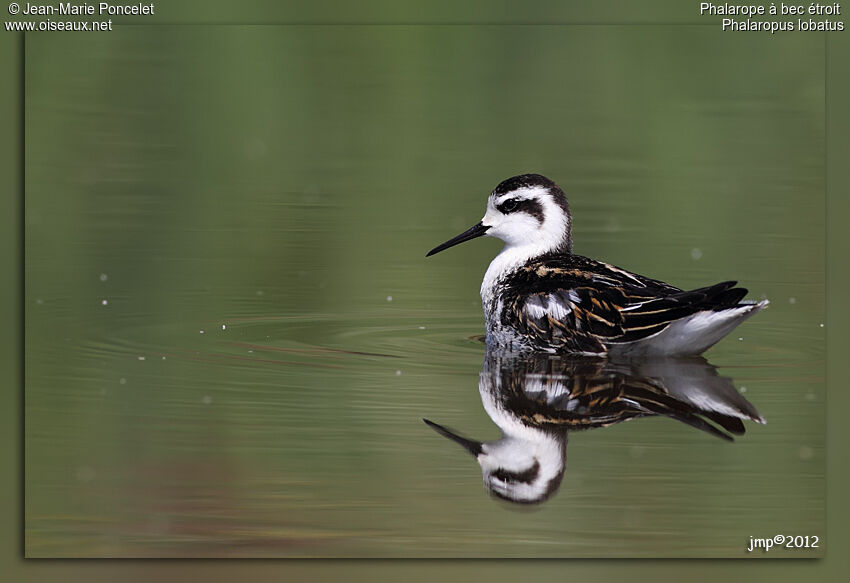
538	295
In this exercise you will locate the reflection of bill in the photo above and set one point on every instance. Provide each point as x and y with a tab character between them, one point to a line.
536	400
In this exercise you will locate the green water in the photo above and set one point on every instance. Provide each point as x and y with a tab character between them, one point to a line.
232	333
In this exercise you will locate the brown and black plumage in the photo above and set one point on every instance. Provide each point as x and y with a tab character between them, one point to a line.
587	392
570	303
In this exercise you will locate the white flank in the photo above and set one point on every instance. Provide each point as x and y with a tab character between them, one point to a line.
691	335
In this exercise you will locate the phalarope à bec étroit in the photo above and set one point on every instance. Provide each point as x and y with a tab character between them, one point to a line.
538	295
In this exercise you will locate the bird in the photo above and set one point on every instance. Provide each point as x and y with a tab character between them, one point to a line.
537	295
537	399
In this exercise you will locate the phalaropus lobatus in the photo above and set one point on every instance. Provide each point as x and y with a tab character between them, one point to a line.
538	295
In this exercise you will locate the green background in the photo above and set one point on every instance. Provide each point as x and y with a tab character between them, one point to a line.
14	211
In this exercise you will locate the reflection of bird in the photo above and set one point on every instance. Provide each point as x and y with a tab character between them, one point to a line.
536	400
538	295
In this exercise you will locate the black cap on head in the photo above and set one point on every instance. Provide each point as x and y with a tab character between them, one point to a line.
522	181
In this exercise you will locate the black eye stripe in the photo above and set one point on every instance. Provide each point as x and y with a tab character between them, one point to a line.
525	477
528	206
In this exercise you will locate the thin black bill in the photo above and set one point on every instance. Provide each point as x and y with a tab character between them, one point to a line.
471	233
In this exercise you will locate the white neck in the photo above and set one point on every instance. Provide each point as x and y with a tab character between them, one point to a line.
508	260
511	426
520	443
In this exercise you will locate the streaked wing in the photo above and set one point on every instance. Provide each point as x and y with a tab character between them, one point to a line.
585	394
587	309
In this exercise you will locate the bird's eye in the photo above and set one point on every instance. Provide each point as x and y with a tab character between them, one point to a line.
504	476
508	205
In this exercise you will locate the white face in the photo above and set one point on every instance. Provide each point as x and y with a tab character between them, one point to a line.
520	470
520	228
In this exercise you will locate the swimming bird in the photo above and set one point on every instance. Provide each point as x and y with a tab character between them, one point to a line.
538	295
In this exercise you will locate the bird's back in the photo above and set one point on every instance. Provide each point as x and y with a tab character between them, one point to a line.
569	303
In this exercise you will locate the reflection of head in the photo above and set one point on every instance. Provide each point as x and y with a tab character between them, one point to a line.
536	400
526	469
523	472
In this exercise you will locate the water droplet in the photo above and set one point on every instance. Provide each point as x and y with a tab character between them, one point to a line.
821	324
740	337
398	373
202	331
743	389
389	298
421	327
103	302
103	277
696	254
141	358
122	381
792	300
224	326
805	452
207	400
